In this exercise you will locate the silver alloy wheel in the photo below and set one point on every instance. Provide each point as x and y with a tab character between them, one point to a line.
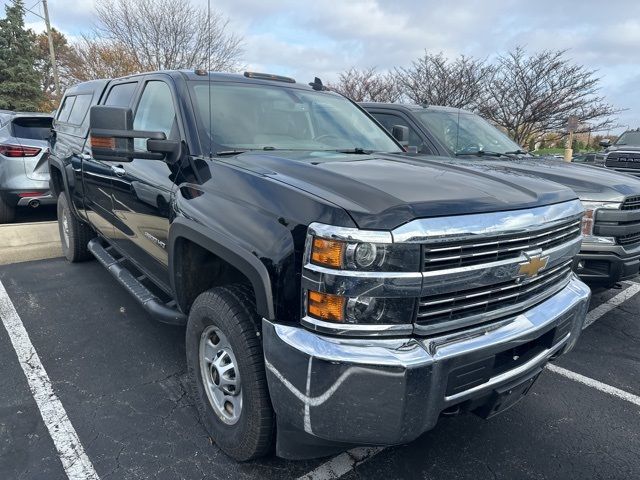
65	227
220	375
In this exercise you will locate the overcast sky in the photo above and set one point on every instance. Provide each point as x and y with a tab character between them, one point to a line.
305	39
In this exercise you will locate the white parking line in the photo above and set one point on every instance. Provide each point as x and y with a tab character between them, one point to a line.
603	387
342	464
74	460
611	304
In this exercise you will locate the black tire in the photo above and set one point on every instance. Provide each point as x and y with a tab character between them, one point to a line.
7	212
232	311
74	242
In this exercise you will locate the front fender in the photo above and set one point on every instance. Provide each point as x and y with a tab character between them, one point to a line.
223	247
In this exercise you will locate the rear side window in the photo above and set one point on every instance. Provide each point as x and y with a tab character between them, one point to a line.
36	128
121	95
80	109
65	110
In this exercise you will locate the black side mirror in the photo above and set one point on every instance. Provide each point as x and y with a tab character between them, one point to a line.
606	143
401	134
112	134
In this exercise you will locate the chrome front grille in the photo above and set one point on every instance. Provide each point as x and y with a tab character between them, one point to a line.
441	256
487	303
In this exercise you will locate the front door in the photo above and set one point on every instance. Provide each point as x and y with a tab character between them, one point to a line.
98	175
142	188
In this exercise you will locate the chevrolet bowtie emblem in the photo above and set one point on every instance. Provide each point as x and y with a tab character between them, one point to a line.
532	267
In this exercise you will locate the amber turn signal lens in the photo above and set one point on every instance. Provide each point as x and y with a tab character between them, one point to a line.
327	252
103	142
325	306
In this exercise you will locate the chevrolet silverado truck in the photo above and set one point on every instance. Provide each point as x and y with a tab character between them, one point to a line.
332	295
611	246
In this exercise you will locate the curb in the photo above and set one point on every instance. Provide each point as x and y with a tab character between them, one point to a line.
24	242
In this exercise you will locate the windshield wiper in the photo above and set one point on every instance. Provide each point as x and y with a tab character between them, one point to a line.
355	151
478	153
225	153
516	152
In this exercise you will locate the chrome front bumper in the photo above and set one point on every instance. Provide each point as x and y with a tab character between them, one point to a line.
382	391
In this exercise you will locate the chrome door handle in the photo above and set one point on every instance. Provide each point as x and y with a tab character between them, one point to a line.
118	170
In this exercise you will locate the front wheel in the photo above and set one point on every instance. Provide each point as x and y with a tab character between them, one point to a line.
74	235
226	371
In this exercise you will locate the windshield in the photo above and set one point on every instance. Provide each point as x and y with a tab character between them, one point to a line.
473	134
249	116
629	138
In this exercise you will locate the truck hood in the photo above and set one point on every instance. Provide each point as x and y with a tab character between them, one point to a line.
590	183
383	191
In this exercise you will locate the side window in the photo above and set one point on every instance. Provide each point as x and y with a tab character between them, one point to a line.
80	109
121	95
388	120
65	110
155	112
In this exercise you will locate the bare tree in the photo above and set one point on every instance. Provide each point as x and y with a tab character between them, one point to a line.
64	58
94	58
533	95
367	85
169	34
435	80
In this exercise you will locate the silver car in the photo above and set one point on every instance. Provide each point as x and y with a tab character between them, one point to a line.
24	171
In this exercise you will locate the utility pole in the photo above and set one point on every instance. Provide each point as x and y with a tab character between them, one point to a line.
52	51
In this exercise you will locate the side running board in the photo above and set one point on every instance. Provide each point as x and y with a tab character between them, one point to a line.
152	304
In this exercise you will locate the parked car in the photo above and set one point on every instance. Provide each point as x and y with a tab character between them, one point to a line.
347	296
611	247
624	154
24	171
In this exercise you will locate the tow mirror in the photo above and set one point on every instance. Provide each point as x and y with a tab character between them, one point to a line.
401	134
606	143
112	138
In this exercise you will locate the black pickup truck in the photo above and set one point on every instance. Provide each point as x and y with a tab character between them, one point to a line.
611	246
332	295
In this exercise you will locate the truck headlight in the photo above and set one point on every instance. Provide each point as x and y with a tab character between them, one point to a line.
588	220
365	256
359	310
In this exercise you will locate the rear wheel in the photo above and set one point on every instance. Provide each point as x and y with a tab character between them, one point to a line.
74	234
226	370
7	212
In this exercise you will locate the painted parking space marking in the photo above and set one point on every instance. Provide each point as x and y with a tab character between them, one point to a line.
71	452
611	304
603	387
342	464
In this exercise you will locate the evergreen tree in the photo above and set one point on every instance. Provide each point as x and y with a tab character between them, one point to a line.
19	81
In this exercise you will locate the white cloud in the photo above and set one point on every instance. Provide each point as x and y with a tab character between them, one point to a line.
305	39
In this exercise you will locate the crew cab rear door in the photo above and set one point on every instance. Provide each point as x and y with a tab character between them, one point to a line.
142	188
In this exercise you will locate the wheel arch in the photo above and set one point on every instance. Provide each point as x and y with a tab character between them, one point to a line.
224	248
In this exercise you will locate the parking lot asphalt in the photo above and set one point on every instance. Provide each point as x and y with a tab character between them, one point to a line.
121	379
